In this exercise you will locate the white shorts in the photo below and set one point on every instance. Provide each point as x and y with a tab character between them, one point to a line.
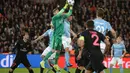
66	42
116	60
102	47
46	51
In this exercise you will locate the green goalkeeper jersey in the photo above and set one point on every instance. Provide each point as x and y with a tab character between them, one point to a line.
58	22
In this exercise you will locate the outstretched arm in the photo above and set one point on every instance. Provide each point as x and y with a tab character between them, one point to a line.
113	33
111	52
73	34
124	51
39	38
80	42
42	36
61	11
111	30
69	13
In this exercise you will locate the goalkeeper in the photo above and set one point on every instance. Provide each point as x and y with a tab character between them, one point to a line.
56	44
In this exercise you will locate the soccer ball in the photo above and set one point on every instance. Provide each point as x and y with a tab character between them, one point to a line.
70	2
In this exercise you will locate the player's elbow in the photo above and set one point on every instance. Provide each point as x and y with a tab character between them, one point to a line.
113	33
125	52
107	42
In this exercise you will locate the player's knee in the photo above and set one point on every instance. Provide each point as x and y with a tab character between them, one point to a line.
67	49
111	65
120	64
53	50
58	51
42	56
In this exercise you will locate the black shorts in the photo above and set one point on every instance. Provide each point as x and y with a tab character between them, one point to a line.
95	63
19	60
79	62
83	61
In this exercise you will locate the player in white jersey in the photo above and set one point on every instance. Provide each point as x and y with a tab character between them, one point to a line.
49	33
117	54
102	26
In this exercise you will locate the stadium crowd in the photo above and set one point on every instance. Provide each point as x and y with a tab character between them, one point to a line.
36	17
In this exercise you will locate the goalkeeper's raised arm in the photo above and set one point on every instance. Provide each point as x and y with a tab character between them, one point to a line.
58	13
69	13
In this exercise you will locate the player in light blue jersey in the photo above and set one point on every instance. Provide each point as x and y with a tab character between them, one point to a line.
102	26
49	33
117	54
66	41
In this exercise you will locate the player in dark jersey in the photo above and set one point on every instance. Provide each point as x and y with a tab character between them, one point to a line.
79	59
23	48
78	51
90	41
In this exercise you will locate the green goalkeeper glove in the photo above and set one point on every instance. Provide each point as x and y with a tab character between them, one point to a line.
66	5
71	7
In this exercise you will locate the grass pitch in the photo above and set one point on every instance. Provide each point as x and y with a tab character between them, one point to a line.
37	70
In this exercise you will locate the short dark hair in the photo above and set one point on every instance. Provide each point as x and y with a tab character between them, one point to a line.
90	24
55	9
100	12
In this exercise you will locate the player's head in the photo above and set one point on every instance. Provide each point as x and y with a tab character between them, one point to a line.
26	35
118	39
90	24
55	11
70	18
100	13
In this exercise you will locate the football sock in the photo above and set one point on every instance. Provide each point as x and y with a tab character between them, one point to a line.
104	71
110	69
31	71
77	70
121	69
41	69
66	68
48	55
53	70
57	57
67	58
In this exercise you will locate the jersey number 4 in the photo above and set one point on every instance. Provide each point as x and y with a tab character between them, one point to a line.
95	43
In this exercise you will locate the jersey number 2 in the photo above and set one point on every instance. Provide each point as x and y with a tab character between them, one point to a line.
95	43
